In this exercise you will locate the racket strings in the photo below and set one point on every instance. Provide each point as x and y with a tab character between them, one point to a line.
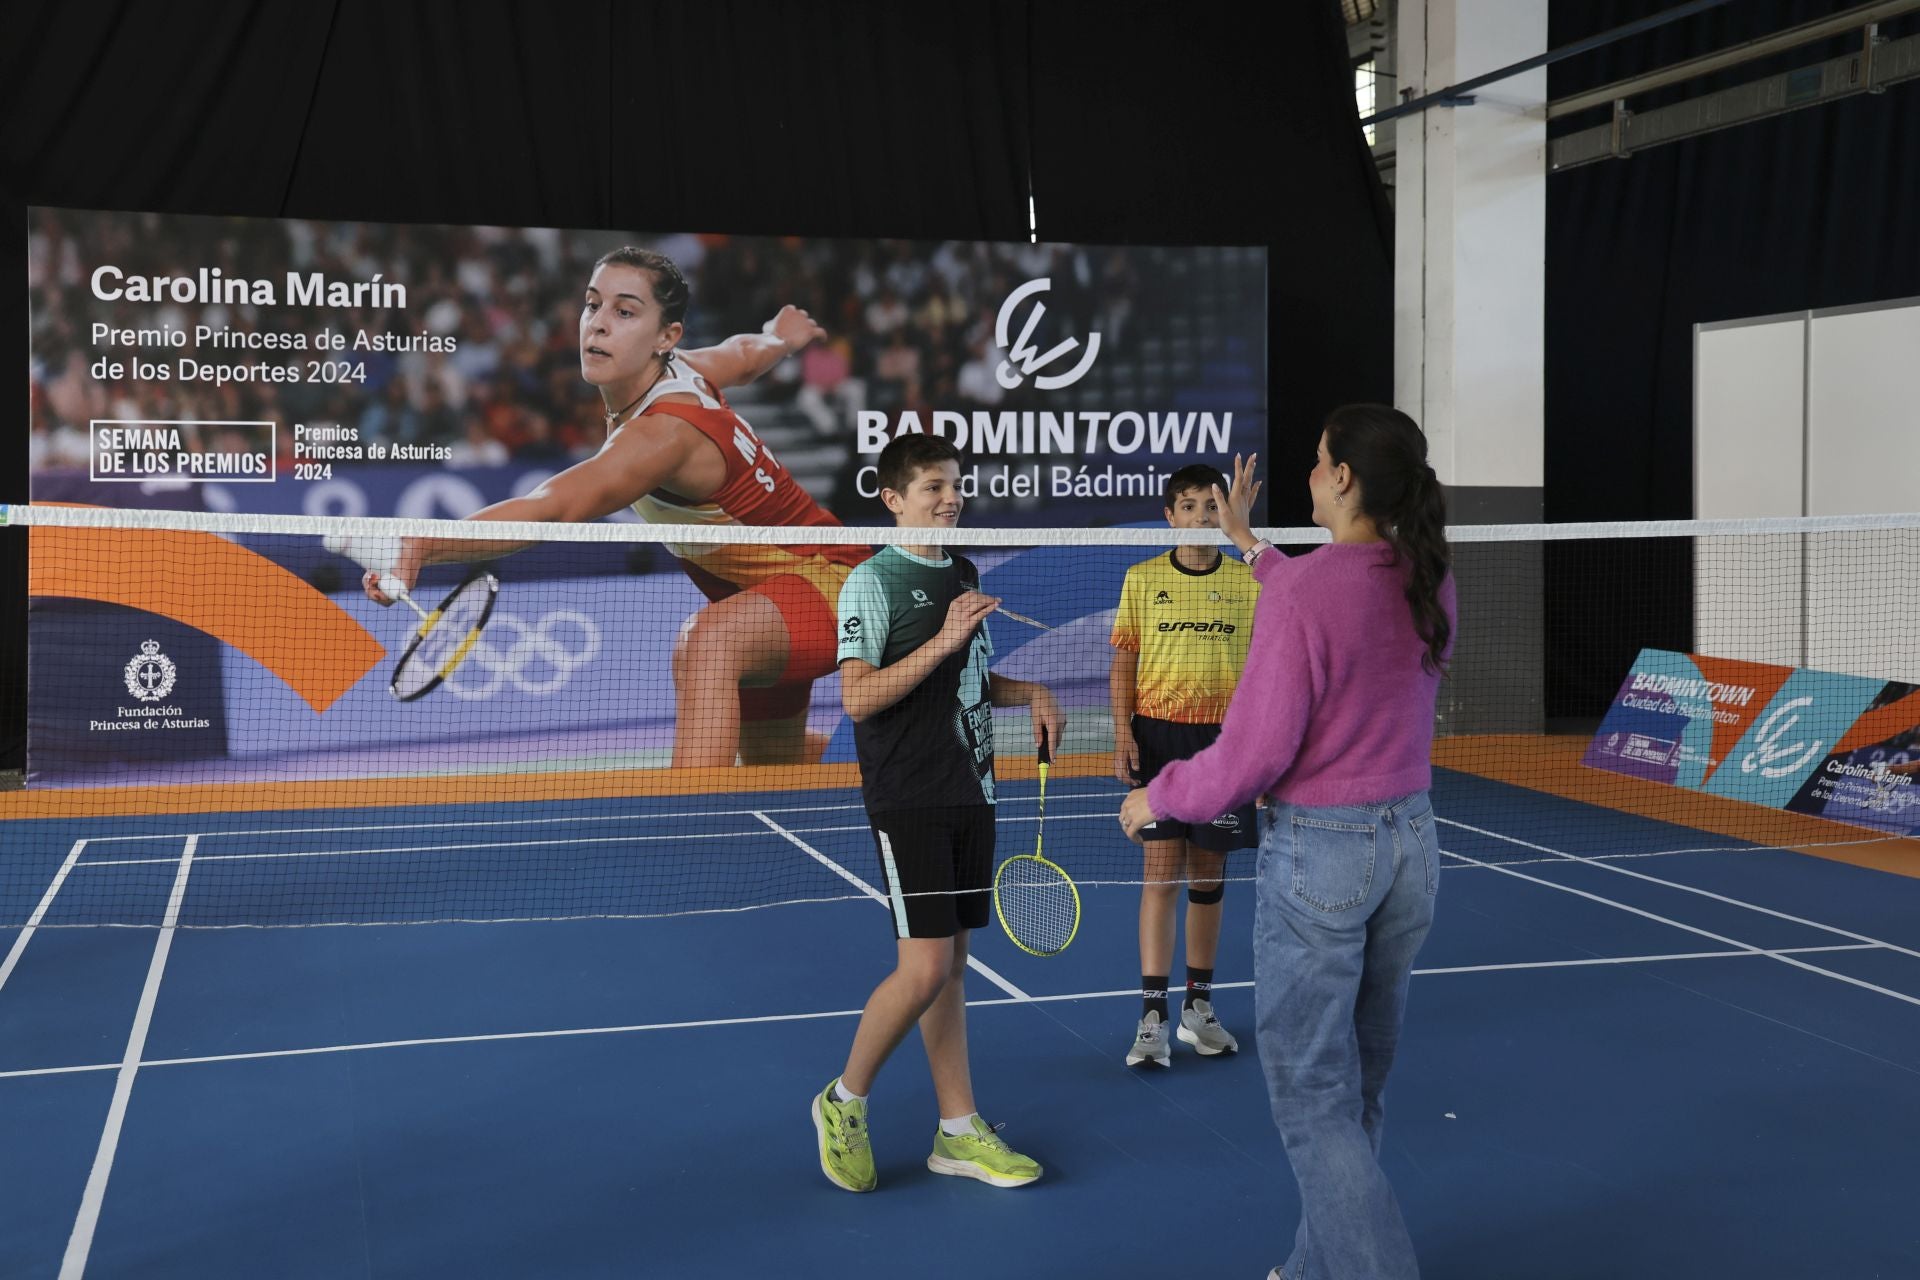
1039	906
445	639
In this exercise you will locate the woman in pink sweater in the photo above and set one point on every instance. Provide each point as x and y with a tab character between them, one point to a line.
1333	723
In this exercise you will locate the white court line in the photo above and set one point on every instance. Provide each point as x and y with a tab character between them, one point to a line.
1687	888
1602	859
569	918
554	820
1130	992
1627	857
430	848
477	845
39	913
80	1243
480	822
973	962
429	1041
1587	961
1780	956
480	845
508	844
1102	816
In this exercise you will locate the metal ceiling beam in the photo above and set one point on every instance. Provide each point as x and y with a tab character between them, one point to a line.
1806	33
1461	94
1877	64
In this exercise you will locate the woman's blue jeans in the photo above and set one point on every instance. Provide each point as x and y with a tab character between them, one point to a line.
1345	899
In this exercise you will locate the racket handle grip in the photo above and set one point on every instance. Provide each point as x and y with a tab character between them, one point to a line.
376	554
1046	752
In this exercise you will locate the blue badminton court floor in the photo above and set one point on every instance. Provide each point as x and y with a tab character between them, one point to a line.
1695	1065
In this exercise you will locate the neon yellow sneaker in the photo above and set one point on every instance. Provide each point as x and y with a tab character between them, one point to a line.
981	1154
845	1156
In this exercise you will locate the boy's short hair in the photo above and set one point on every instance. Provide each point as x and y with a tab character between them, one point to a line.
1196	475
908	454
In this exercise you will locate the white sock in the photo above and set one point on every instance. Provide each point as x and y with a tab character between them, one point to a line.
840	1093
959	1128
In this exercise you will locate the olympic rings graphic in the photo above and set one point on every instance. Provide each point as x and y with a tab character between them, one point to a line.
537	659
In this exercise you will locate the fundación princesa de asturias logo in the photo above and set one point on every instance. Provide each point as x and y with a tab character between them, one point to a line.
151	674
1022	352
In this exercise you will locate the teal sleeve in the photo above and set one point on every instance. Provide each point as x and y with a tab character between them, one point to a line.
864	617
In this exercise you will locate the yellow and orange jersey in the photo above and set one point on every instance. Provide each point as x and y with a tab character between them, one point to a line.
1190	628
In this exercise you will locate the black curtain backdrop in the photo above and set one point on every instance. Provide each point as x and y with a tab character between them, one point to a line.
1130	122
1816	208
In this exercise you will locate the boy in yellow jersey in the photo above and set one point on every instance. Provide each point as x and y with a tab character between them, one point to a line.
1179	644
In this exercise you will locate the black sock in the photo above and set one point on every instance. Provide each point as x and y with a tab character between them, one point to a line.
1153	995
1199	986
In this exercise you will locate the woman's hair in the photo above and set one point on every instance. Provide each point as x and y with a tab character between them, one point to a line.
1403	498
670	292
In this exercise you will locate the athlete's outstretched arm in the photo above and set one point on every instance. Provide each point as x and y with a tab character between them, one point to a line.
629	465
745	356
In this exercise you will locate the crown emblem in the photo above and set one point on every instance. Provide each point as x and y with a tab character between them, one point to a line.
150	676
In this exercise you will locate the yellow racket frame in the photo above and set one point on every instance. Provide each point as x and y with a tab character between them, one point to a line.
1036	856
1065	879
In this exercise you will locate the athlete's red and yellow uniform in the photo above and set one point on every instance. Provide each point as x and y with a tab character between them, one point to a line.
803	582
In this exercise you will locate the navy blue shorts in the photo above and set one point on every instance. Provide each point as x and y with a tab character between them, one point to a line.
1161	742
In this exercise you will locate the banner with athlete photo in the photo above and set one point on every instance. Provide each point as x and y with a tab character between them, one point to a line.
1816	742
366	369
306	368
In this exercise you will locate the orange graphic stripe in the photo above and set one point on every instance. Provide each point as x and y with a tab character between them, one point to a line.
237	596
1765	679
1881	723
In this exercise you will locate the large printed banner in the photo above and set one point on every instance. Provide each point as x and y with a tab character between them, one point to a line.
368	369
361	369
1815	742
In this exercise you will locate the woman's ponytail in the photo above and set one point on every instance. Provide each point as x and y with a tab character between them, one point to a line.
1403	497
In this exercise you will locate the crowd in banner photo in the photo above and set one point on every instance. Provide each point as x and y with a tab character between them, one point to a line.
478	366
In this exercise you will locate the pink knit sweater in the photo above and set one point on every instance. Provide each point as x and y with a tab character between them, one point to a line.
1334	706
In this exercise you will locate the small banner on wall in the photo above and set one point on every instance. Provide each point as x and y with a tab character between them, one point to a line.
1815	742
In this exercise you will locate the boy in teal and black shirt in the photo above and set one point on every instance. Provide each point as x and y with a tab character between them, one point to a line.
913	676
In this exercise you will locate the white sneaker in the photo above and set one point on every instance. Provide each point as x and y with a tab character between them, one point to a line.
1199	1028
1150	1043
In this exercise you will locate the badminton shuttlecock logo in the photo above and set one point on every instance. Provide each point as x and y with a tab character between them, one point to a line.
1770	754
151	674
1022	353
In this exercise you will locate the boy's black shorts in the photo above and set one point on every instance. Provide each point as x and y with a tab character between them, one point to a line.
936	868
